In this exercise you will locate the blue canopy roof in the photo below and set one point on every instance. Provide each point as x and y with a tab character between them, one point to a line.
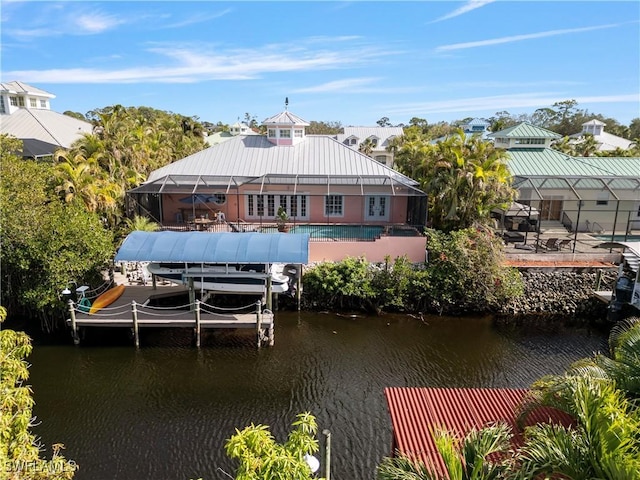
214	247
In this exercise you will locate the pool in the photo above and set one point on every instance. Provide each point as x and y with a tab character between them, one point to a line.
618	238
340	232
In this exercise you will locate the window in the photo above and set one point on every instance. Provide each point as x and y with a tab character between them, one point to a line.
219	198
502	140
21	101
13	101
353	141
271	205
295	205
33	103
272	133
530	141
333	206
374	141
376	208
602	198
2	108
285	133
43	104
297	133
382	159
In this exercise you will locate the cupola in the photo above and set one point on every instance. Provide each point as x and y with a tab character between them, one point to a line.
285	128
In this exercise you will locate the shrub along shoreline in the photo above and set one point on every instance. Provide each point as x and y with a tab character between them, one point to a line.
466	274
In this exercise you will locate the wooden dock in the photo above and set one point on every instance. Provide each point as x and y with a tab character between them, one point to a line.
132	310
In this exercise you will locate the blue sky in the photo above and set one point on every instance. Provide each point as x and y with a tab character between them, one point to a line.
352	62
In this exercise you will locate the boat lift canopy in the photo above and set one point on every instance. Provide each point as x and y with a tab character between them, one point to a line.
205	247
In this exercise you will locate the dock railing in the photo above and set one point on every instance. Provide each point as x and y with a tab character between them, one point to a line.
197	315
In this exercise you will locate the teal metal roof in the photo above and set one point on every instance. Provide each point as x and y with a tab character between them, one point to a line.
204	247
546	162
525	130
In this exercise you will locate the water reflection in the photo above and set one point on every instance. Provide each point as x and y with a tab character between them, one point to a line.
165	410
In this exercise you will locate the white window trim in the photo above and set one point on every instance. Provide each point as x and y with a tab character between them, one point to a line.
277	194
324	206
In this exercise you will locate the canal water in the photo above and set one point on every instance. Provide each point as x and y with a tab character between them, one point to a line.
163	412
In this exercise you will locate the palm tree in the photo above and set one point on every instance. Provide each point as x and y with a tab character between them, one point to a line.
366	147
604	442
587	146
480	455
141	223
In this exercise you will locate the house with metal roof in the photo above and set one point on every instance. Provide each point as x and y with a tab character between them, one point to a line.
606	141
476	126
599	195
379	139
25	113
325	188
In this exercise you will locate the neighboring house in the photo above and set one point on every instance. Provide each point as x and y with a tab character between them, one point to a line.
238	128
476	126
318	180
378	137
585	194
606	141
25	113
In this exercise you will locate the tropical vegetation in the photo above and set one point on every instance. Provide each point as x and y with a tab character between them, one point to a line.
20	452
465	273
46	243
260	457
464	176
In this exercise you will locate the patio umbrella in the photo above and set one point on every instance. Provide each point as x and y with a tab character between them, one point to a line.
198	199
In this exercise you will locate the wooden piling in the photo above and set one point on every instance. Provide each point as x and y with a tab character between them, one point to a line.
299	287
134	314
259	322
269	295
198	323
74	327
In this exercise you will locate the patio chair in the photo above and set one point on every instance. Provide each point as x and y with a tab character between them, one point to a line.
564	243
550	244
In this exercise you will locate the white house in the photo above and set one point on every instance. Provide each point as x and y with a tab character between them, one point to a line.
606	141
379	138
25	113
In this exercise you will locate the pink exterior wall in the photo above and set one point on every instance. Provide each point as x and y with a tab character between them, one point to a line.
411	247
354	205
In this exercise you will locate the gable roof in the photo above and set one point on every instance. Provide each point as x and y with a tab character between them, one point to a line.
43	131
22	88
226	247
248	158
383	133
525	130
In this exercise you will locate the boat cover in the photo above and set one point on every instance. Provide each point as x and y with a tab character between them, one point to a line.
205	247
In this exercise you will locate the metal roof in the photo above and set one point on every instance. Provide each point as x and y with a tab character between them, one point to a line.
525	130
285	118
204	247
317	160
417	412
43	127
21	87
546	162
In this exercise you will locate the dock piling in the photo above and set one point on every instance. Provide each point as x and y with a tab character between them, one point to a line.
134	314
74	326
259	322
198	323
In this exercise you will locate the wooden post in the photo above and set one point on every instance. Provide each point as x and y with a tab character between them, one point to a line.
259	322
299	287
192	292
271	331
269	293
74	327
198	323
154	281
134	314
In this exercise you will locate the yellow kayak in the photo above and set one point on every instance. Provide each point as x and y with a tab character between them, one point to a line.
107	298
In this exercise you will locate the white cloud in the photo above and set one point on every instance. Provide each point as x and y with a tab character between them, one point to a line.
503	102
199	19
97	23
467	7
338	85
189	63
519	38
